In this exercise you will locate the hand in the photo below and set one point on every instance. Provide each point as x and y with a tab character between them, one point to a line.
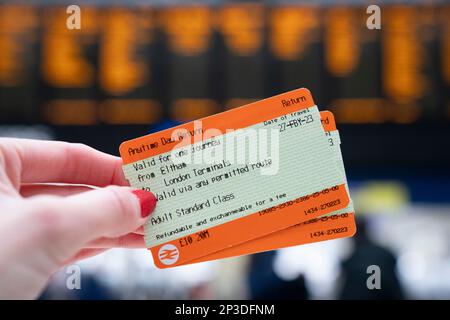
45	225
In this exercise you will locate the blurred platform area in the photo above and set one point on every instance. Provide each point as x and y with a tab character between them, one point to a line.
410	245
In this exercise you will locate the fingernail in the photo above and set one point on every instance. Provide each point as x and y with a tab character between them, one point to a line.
147	201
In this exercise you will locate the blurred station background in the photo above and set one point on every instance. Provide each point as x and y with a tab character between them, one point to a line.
137	67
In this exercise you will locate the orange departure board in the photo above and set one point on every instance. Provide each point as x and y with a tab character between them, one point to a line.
189	44
19	61
140	65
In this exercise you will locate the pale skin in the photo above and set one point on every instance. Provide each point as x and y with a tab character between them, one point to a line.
43	226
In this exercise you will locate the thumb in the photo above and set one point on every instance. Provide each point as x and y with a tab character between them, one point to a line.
66	224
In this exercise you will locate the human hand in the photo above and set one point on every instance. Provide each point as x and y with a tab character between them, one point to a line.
45	225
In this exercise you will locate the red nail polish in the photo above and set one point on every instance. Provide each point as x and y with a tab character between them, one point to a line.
147	201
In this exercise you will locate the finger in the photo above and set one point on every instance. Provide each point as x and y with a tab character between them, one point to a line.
139	230
131	240
64	225
8	188
51	161
30	190
84	254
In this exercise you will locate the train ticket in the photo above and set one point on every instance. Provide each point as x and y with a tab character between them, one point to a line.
235	176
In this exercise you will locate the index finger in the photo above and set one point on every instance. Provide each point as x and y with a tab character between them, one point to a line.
36	161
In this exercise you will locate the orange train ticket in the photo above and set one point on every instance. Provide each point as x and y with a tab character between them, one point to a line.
235	176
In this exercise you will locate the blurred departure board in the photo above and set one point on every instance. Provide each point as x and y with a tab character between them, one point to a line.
296	49
242	53
189	45
20	57
136	66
